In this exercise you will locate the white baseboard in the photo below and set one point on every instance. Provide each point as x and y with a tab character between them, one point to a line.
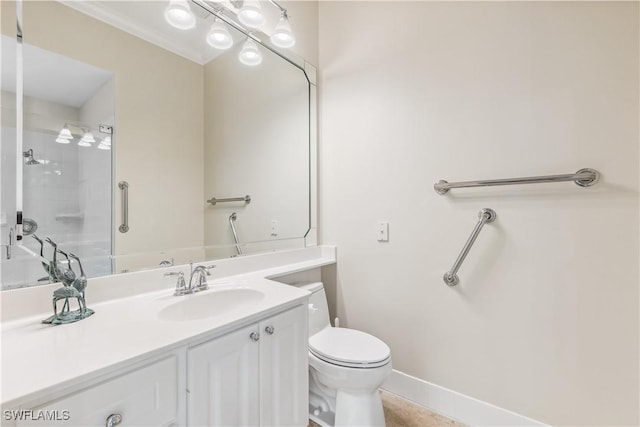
452	404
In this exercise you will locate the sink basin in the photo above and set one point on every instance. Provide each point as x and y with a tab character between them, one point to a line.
209	304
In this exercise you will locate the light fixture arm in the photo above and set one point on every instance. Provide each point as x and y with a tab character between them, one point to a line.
282	9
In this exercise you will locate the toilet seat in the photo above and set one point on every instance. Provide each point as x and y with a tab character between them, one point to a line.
349	348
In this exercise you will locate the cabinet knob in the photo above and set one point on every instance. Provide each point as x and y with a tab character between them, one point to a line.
269	330
113	420
254	336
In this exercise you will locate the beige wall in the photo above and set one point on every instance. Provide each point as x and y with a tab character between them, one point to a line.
545	320
158	125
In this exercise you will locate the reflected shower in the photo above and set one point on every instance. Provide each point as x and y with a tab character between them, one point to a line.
29	160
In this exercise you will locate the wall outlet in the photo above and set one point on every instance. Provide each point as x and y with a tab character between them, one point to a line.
383	231
274	227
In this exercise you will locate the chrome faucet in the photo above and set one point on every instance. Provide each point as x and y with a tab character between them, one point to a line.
199	273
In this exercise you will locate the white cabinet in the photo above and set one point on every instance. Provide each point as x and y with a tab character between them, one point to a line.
147	396
254	376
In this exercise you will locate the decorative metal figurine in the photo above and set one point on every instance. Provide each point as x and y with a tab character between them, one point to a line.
73	288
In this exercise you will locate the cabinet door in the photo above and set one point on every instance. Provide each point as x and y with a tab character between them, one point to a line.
284	369
223	381
147	396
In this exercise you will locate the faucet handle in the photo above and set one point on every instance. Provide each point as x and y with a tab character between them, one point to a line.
207	268
181	286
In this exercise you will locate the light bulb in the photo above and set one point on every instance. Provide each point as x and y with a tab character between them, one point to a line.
87	138
251	14
218	36
61	140
282	35
65	133
250	55
178	14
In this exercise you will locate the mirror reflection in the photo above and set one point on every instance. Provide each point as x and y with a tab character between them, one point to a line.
193	130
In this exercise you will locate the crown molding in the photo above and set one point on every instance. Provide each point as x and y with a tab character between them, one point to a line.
124	23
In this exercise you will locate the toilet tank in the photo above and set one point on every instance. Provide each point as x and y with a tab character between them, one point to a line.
318	308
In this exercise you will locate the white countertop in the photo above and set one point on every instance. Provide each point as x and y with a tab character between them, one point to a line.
39	358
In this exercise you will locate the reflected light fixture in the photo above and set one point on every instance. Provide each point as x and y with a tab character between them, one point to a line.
105	144
218	36
179	15
250	55
62	140
87	139
65	133
251	14
282	35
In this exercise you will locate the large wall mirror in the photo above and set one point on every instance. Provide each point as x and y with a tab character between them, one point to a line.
144	145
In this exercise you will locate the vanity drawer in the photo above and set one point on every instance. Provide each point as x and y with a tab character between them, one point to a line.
144	397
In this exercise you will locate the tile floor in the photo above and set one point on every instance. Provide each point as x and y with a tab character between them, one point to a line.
400	413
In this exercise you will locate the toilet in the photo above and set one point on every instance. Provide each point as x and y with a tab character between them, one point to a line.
346	367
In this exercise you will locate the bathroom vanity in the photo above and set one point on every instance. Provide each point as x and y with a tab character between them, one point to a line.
235	354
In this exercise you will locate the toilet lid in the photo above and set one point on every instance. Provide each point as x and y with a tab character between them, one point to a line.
348	347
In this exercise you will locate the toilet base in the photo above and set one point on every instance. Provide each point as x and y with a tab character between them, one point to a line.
359	409
329	407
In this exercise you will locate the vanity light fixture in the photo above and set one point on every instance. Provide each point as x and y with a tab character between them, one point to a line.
87	139
65	133
250	55
179	15
251	15
218	36
282	35
62	140
105	144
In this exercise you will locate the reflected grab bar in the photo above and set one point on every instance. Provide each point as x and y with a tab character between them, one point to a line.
246	199
124	186
232	220
486	216
584	178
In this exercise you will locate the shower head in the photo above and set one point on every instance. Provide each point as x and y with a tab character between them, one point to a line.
29	226
29	160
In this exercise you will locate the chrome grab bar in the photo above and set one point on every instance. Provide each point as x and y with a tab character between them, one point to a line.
246	199
584	178
486	216
232	220
124	186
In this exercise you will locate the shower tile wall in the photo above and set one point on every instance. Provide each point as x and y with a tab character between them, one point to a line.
68	195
